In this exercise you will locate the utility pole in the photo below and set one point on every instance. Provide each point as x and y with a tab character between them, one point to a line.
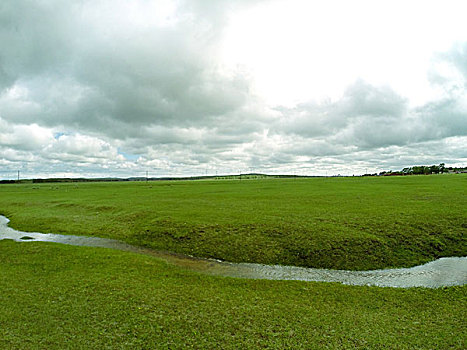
18	175
146	176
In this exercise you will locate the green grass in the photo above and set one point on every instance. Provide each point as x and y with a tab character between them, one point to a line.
344	223
62	297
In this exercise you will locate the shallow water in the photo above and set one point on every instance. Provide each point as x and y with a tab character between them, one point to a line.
439	273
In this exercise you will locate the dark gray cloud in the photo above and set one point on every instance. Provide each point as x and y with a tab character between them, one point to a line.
361	104
368	117
89	74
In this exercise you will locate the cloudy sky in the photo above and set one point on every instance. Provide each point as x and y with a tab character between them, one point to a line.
188	87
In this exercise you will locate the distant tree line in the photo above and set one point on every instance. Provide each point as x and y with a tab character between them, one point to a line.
8	181
108	179
422	170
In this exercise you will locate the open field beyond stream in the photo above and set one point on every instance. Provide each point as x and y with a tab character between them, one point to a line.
56	296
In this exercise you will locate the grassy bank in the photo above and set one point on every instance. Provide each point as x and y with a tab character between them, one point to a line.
64	297
344	223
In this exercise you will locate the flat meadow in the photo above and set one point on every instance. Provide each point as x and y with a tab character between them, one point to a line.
342	223
56	296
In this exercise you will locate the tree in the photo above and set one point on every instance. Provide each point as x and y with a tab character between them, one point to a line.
417	170
407	171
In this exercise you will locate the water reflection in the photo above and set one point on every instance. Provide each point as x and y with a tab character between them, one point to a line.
438	273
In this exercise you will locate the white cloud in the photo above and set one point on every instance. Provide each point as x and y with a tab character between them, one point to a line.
81	147
184	87
24	137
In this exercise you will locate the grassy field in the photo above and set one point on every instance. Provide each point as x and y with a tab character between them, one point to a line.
344	223
63	297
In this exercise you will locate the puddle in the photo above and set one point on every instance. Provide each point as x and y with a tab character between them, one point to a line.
439	273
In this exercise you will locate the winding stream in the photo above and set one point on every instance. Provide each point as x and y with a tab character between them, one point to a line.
439	273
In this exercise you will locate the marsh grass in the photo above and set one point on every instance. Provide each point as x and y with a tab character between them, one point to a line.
343	223
63	297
